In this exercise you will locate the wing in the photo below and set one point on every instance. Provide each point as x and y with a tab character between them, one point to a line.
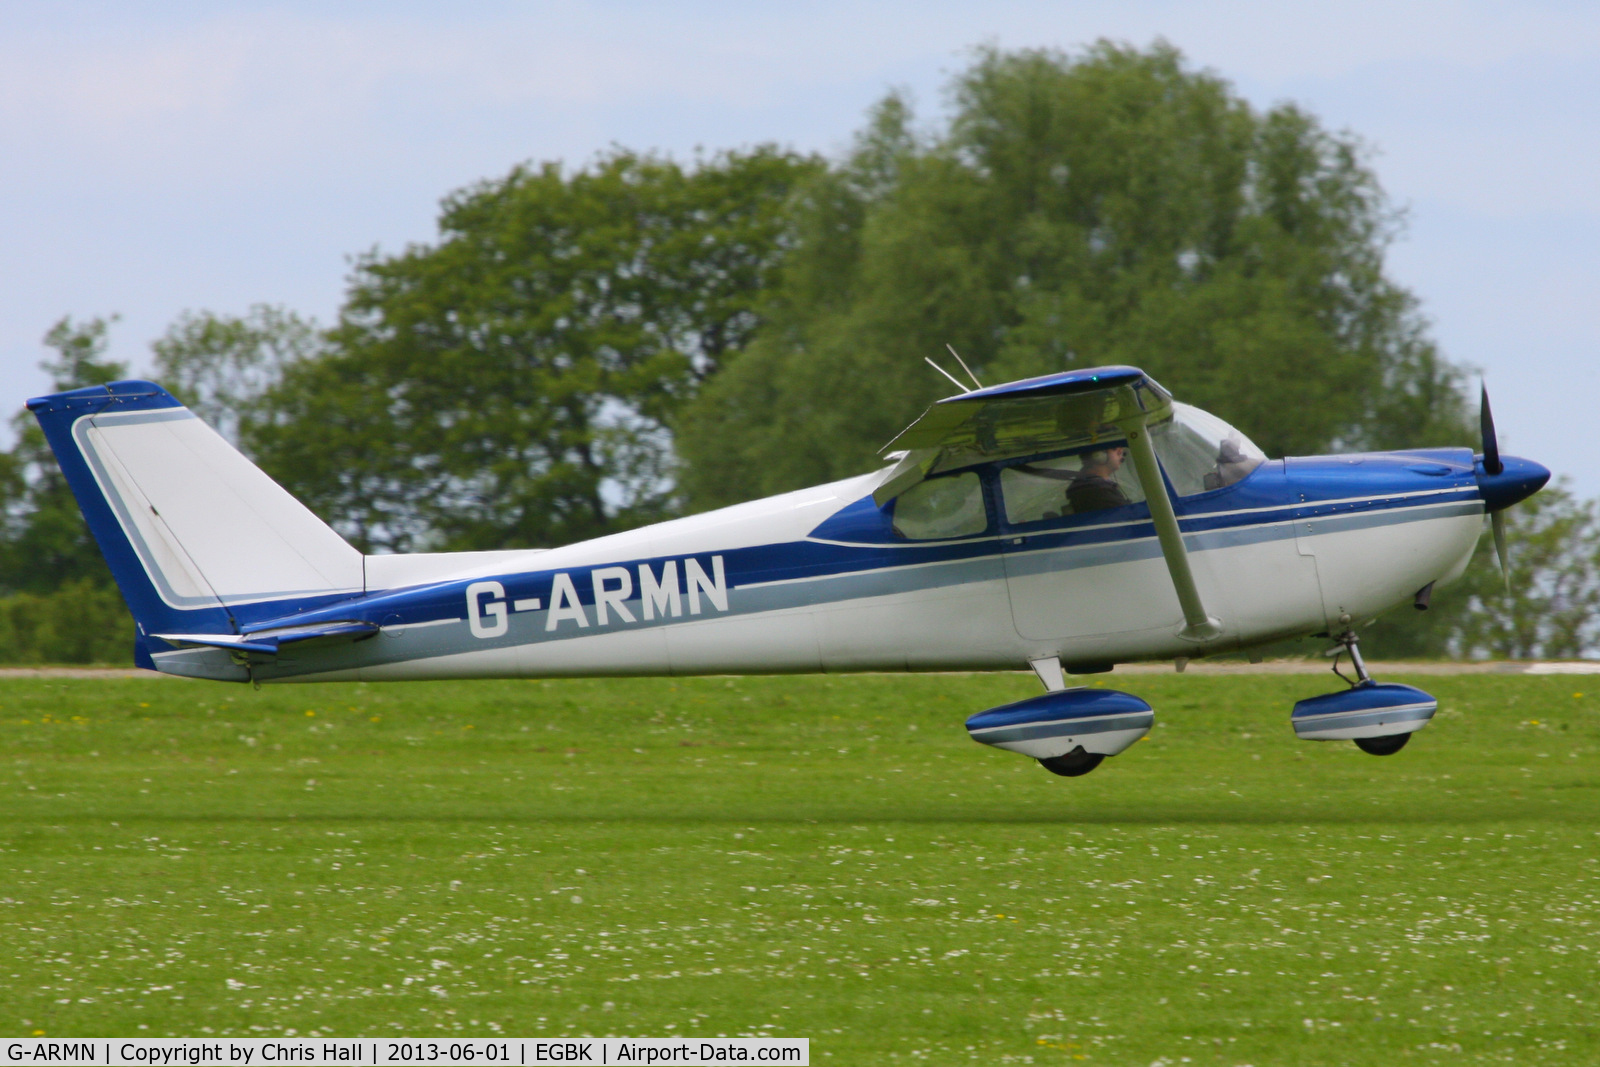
1021	418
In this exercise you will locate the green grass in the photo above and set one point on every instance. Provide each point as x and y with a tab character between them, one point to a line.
812	857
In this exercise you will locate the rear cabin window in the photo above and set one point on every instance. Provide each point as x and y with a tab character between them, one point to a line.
1069	485
941	508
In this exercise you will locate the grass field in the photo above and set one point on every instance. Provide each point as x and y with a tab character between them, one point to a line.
812	857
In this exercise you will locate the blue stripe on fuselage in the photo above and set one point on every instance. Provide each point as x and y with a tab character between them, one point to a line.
812	572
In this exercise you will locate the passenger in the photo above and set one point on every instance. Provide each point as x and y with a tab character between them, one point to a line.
1095	488
1232	466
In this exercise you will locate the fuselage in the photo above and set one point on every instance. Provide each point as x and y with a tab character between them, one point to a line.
824	580
1011	530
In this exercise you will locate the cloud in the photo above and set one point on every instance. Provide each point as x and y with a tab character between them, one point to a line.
242	87
170	155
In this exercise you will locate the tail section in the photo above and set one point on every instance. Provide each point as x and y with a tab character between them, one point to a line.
198	538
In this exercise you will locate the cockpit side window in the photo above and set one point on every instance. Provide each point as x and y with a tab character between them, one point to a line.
941	508
1069	485
1200	452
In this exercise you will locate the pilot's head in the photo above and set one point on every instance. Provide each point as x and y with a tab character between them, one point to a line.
1109	459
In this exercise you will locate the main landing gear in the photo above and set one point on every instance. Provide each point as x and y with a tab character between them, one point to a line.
1379	717
1074	764
1382	746
1069	731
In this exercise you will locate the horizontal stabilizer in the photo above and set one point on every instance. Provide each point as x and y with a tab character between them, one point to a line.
268	642
235	642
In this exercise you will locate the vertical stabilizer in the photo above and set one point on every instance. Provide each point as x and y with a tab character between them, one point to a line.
198	538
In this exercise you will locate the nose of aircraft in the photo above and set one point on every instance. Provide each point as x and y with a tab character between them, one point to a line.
1518	479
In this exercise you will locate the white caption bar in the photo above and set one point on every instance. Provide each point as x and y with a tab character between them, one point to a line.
255	1051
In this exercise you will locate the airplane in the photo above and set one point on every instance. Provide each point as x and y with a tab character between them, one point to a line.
1064	523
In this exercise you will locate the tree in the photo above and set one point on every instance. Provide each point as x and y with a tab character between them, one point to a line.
515	384
221	365
44	543
1549	607
1111	207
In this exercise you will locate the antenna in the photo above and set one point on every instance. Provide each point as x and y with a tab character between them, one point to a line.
964	366
947	374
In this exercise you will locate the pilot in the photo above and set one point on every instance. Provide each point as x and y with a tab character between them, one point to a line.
1095	487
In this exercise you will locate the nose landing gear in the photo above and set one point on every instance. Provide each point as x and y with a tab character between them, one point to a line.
1382	746
1379	717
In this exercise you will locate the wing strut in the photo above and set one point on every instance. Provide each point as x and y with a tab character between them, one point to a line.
1200	626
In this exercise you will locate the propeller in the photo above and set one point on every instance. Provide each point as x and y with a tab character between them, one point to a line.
1497	523
1493	466
1491	443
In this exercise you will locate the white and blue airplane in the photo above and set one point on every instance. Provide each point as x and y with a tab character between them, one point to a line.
1065	523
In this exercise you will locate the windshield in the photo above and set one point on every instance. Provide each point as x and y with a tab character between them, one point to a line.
1200	452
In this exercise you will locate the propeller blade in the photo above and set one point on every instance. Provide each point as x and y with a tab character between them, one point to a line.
1491	443
1497	523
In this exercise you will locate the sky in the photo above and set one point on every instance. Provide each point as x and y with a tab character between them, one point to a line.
161	157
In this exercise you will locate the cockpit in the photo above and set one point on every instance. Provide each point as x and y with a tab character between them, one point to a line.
1199	453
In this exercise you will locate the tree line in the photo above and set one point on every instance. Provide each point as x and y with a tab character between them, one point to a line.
584	350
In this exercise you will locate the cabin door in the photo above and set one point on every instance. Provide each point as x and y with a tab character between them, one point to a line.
1075	572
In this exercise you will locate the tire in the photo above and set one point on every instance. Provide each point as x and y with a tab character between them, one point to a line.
1387	745
1074	764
